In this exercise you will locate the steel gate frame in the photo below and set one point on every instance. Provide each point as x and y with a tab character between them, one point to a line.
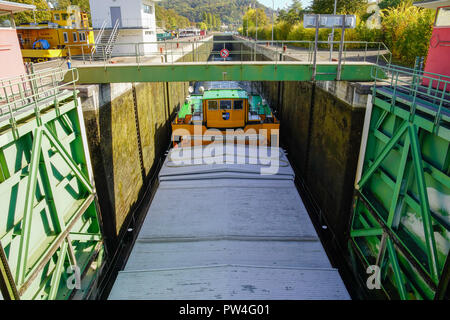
60	226
396	159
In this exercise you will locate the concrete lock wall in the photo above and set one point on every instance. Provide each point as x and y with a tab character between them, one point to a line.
321	126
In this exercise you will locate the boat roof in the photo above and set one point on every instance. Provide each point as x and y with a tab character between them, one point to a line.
226	231
432	4
15	6
225	94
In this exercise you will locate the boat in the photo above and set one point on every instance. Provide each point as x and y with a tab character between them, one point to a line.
49	40
224	114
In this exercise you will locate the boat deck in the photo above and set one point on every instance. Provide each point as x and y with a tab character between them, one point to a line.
224	231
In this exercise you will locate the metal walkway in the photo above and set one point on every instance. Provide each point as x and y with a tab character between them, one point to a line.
223	71
224	231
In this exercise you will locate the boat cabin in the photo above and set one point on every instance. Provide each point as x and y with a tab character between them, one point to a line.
225	109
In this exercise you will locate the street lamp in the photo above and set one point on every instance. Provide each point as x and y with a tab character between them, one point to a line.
332	33
273	9
248	18
256	18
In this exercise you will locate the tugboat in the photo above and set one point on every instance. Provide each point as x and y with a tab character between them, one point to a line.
49	40
224	113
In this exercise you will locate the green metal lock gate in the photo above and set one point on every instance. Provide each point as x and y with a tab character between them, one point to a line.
401	220
50	240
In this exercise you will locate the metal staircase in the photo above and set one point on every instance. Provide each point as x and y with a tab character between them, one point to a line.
105	41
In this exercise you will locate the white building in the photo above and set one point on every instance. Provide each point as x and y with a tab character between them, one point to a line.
137	22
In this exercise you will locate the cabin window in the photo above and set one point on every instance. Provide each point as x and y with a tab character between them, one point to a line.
148	9
238	104
443	17
225	105
82	36
57	16
66	37
6	20
213	105
74	37
64	16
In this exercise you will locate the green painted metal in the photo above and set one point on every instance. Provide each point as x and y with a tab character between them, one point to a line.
401	216
220	71
49	223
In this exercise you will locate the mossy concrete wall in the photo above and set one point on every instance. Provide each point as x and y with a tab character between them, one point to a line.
321	127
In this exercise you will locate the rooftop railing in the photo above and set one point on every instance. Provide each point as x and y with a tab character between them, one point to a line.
425	92
240	50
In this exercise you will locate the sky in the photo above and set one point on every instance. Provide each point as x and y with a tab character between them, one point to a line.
280	4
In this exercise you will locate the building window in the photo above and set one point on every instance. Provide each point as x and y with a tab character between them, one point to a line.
212	105
66	37
74	37
148	9
149	33
443	17
238	104
225	105
6	20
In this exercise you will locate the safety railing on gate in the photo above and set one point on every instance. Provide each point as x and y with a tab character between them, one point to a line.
30	92
425	92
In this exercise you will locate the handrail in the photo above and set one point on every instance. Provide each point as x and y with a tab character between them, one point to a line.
111	38
99	36
25	92
296	49
418	84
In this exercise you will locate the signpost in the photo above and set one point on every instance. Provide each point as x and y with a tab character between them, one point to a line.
329	21
224	53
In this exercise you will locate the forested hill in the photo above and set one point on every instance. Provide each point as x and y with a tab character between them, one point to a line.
229	11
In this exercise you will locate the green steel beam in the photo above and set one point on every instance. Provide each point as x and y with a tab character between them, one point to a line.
29	204
397	199
396	267
366	232
424	204
56	277
7	285
383	154
229	71
67	158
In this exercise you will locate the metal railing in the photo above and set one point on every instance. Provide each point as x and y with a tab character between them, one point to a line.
426	92
29	93
243	50
99	36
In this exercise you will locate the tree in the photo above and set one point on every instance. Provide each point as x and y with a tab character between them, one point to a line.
293	14
343	6
249	18
41	14
202	26
386	4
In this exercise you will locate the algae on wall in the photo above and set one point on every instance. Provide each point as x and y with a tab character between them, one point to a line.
322	134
